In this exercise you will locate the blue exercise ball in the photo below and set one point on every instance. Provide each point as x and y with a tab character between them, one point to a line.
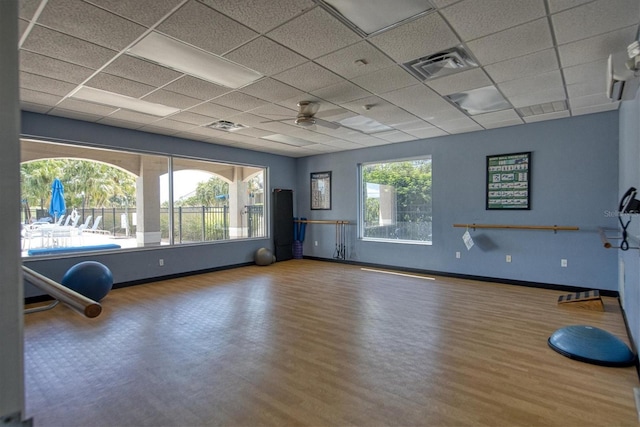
89	278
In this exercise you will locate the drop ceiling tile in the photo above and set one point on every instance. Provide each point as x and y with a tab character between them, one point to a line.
252	132
265	56
427	132
45	84
417	38
559	5
22	28
472	19
511	43
379	110
27	8
66	48
595	109
496	117
385	80
595	18
34	108
341	92
344	61
261	15
412	125
197	132
90	23
247	119
141	71
309	76
75	115
548	116
239	101
144	12
275	112
597	47
109	121
86	107
271	90
395	136
590	100
49	67
192	118
196	88
119	85
523	66
585	79
133	116
443	3
462	125
313	34
550	80
172	99
538	97
159	130
460	82
174	125
40	98
418	99
214	110
205	28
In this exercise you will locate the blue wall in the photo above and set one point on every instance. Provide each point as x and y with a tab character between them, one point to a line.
128	266
574	182
629	261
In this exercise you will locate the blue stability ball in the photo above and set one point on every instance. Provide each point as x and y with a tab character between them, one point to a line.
89	278
592	345
264	256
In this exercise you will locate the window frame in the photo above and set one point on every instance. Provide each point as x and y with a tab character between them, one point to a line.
362	191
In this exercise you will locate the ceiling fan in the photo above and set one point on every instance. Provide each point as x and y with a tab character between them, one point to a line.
306	117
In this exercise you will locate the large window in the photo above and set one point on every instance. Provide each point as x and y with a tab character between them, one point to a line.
396	201
127	199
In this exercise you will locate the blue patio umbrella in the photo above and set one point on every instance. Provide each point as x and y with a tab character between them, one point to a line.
57	206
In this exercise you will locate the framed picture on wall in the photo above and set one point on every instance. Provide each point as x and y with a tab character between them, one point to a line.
508	181
321	190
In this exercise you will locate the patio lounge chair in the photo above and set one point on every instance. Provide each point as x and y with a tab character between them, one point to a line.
94	228
84	226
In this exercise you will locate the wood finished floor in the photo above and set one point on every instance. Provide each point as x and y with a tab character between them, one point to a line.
306	342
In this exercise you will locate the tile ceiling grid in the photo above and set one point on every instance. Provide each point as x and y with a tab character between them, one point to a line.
542	55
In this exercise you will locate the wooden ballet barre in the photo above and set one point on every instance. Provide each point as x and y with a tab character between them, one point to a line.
519	227
321	221
71	298
604	239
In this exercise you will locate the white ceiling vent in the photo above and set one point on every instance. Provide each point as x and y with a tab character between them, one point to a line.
225	125
440	64
546	108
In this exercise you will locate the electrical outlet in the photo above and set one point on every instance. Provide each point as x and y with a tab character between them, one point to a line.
161	262
508	259
315	243
457	254
563	262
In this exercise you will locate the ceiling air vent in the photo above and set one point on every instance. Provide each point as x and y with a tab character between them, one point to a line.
440	64
546	108
225	125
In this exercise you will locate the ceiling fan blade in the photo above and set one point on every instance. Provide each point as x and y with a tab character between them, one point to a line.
277	121
327	124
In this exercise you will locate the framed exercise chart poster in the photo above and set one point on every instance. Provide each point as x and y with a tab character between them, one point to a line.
508	177
321	190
